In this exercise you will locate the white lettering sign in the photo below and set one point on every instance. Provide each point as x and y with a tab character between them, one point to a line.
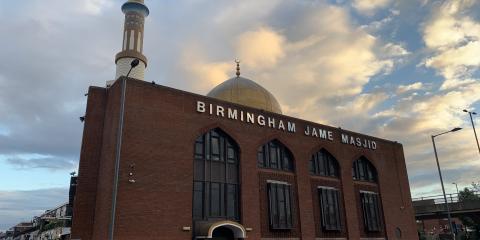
359	142
283	125
319	133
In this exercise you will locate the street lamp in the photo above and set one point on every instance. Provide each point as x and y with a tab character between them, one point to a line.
441	179
133	64
456	186
473	126
118	149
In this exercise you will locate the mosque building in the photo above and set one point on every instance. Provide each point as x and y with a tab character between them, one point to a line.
161	163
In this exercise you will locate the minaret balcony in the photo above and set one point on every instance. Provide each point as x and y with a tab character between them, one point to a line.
131	54
133	6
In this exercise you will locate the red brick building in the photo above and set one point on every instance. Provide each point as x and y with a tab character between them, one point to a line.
193	166
160	163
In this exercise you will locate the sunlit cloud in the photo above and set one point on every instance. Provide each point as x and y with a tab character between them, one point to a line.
452	35
261	48
369	7
411	87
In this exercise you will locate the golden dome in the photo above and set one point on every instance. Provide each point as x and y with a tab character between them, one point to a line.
246	92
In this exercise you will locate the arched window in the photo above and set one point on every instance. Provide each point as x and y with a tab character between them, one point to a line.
363	170
370	201
324	164
216	185
275	155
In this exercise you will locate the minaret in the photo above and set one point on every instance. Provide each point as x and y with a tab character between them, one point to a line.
135	12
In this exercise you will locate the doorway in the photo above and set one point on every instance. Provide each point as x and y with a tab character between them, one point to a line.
222	233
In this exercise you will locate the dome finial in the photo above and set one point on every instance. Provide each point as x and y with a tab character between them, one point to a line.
238	67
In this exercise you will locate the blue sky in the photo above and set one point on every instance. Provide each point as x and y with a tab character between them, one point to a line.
400	70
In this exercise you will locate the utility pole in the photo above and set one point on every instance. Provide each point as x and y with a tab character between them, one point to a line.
441	180
473	126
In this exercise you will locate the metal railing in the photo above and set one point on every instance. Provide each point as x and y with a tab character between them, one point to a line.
439	199
428	205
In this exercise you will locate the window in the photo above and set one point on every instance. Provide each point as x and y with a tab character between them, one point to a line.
324	164
371	211
198	199
398	233
280	205
363	170
216	185
330	208
275	155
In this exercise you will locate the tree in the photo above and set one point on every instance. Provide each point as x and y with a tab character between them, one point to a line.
476	186
470	195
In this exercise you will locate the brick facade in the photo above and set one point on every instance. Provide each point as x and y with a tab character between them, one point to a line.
160	128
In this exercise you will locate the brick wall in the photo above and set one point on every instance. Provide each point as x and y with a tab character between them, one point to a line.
85	201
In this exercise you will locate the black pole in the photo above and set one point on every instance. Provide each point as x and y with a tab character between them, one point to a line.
474	131
443	189
118	150
129	72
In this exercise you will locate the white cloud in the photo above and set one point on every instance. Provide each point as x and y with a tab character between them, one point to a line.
321	55
395	50
375	26
363	104
457	64
446	30
260	48
413	120
411	87
369	7
95	7
453	37
210	74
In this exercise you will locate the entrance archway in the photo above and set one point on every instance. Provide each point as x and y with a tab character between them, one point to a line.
227	228
223	233
221	230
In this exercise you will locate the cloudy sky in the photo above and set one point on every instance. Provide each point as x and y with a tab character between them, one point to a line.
400	70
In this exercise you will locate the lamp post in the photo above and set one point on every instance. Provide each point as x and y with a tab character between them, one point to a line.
456	186
473	126
441	179
118	149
